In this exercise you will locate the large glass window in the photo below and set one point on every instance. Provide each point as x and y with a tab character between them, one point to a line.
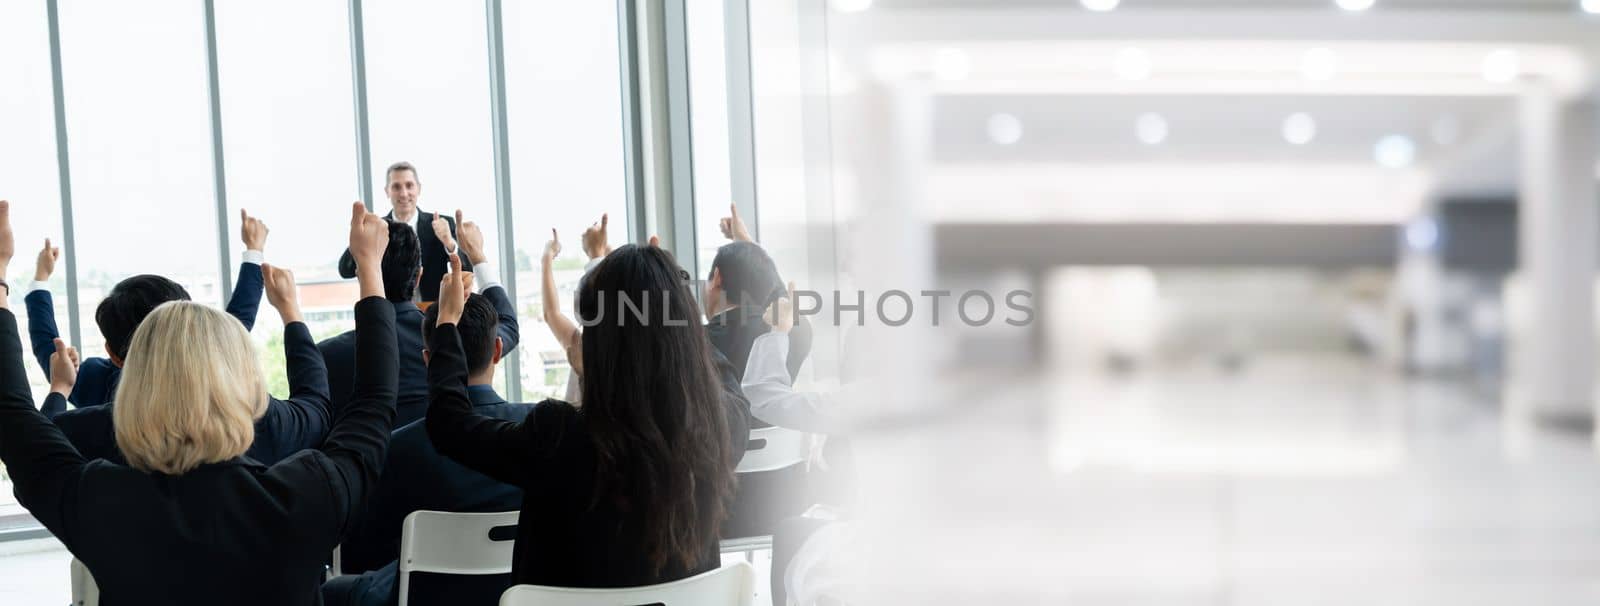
138	127
708	92
289	142
564	95
28	171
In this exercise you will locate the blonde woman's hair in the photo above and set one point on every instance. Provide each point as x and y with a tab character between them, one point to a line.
191	390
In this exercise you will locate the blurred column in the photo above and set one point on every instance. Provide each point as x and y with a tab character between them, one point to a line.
1553	370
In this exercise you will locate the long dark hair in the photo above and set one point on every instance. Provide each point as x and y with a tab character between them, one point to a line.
653	405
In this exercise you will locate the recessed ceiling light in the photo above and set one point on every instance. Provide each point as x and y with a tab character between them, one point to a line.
1151	129
851	6
1299	129
1501	66
1422	234
1318	64
1591	6
1133	64
1395	151
1355	5
951	64
1101	5
1005	129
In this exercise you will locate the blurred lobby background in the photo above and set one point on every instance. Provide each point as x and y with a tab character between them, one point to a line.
1312	280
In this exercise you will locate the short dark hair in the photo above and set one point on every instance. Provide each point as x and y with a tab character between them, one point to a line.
400	262
121	312
748	274
479	325
401	165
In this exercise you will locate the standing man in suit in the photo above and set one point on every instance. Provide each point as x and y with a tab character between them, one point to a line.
401	268
435	232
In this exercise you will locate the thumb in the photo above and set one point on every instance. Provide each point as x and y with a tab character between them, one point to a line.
61	346
243	216
459	220
733	209
357	211
605	219
553	236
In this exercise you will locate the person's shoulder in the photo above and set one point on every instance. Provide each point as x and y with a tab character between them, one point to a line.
95	365
343	339
83	414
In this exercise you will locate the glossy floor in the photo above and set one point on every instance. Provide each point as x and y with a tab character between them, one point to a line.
1304	480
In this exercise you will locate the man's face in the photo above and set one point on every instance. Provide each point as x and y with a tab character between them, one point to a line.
403	190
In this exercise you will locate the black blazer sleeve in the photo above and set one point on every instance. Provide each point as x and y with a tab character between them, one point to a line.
497	448
301	421
43	465
347	265
360	434
735	407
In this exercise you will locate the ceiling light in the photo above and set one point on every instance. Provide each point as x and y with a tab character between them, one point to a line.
1151	129
1005	129
1299	129
1101	5
1395	151
1501	66
1422	234
951	64
1133	64
851	6
1591	6
1445	130
1355	5
1318	64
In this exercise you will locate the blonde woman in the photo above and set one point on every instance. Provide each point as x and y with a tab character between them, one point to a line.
189	519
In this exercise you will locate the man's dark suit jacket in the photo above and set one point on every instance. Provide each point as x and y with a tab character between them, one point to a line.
97	377
289	426
338	352
416	477
435	259
235	532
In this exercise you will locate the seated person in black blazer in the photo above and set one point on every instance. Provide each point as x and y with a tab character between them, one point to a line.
190	519
435	231
416	477
122	310
631	488
400	279
743	282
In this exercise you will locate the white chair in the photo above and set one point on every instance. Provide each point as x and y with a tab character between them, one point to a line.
731	585
455	543
769	449
84	590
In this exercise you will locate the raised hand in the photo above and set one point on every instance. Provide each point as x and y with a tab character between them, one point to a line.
8	243
552	249
369	236
453	291
282	293
253	231
733	227
441	230
63	368
471	239
596	243
780	316
46	263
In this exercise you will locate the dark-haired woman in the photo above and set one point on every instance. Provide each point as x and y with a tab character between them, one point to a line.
631	488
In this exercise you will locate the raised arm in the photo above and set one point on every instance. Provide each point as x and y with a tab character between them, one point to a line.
487	277
564	329
246	299
43	466
301	421
495	447
42	331
360	434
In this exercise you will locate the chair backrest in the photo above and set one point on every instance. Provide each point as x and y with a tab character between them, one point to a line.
84	590
458	543
772	448
731	585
